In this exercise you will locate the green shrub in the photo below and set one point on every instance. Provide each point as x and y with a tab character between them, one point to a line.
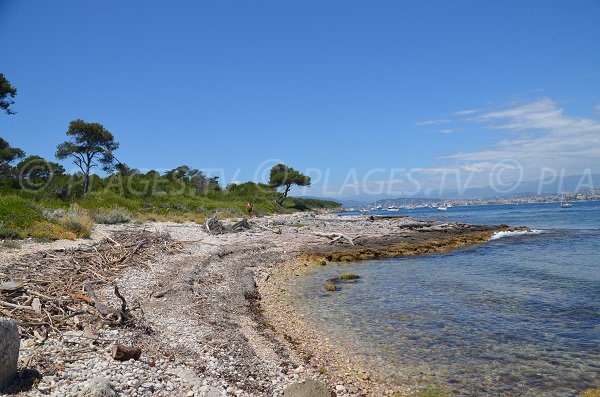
8	233
54	214
17	212
330	287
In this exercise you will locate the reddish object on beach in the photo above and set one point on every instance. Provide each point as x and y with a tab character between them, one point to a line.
124	353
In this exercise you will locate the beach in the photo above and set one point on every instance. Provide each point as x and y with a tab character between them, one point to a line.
217	312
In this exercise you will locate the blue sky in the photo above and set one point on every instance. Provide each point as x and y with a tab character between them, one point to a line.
359	91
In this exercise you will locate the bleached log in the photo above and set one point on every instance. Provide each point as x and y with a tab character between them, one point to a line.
336	236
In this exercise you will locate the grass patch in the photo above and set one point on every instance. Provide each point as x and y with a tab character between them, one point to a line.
16	213
50	231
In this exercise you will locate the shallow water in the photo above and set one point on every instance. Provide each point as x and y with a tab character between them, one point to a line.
516	316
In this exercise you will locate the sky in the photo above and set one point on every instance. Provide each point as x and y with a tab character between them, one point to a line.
383	98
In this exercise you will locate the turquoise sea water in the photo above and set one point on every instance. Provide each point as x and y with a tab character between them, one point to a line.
517	316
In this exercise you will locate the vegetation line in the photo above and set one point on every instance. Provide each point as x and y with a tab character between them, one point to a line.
39	199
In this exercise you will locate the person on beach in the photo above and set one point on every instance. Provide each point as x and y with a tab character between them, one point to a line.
250	208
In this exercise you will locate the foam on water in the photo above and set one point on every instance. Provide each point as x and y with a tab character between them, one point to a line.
515	233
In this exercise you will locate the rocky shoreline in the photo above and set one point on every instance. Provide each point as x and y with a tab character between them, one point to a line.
217	315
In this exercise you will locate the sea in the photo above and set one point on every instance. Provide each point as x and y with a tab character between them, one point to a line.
516	316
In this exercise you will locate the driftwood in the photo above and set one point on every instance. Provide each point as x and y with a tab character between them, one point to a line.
214	226
57	291
241	225
334	237
113	315
124	353
276	231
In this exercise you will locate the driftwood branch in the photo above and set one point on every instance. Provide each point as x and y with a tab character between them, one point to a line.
106	311
334	237
214	226
241	225
276	231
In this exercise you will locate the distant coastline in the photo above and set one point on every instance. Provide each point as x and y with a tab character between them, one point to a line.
415	203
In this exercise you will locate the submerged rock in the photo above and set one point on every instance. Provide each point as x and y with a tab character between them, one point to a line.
310	388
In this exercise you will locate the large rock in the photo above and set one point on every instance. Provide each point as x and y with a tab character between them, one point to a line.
9	351
97	387
310	388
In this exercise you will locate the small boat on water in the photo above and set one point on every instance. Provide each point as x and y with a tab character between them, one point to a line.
442	208
393	208
564	204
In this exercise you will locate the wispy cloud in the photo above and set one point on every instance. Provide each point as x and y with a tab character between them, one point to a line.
545	137
433	122
596	108
466	112
537	140
448	130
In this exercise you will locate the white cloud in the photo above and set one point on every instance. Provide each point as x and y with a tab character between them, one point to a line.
545	137
448	130
433	122
466	112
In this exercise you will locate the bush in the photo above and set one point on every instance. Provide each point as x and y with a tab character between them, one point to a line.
17	213
78	221
8	233
54	214
111	217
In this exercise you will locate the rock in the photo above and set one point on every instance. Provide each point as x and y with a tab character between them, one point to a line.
9	351
310	388
97	387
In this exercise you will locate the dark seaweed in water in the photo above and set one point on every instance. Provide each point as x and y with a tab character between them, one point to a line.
517	316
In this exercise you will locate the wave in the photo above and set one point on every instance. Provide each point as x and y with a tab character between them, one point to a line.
514	233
